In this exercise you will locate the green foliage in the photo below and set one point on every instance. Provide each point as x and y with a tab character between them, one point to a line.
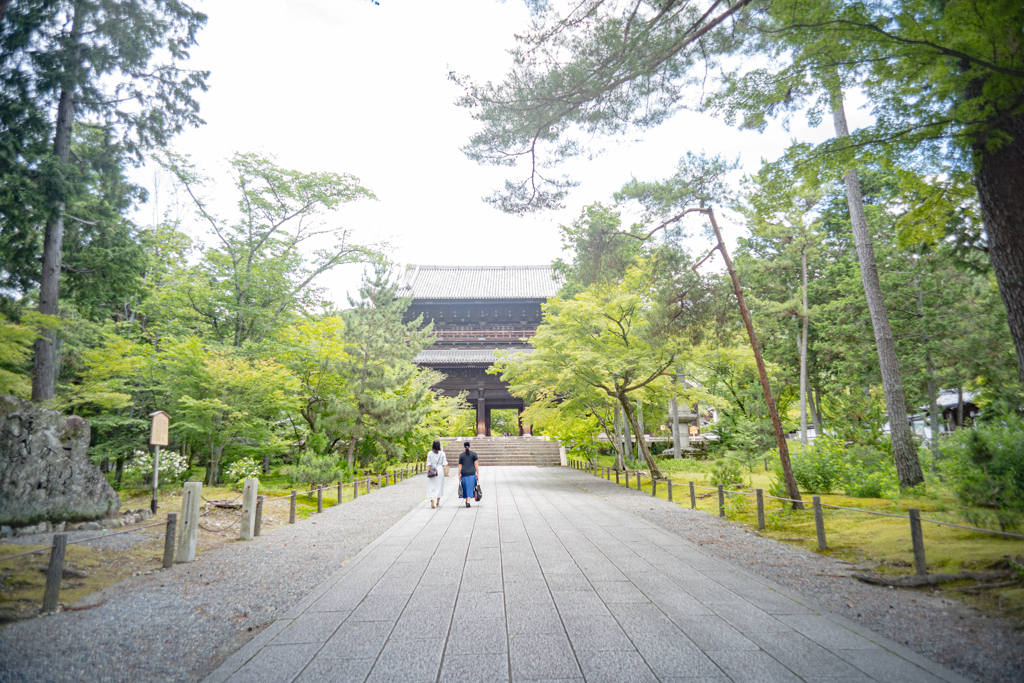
599	252
314	469
242	469
15	351
986	468
139	472
260	270
726	472
821	468
829	465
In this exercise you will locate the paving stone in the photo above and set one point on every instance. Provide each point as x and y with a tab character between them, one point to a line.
336	671
752	667
671	654
487	583
539	656
478	668
615	667
826	633
579	602
803	656
409	661
885	667
276	663
533	619
746	618
574	581
710	633
642	618
596	633
527	592
478	636
478	605
619	591
311	627
380	608
356	640
773	602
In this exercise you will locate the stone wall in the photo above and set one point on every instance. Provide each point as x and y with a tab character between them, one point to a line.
45	473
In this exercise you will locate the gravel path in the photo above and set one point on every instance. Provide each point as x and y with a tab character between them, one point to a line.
180	624
943	630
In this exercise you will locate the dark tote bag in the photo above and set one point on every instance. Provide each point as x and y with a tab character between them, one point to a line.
477	493
460	488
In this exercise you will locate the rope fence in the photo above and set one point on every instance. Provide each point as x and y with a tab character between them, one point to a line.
914	514
252	508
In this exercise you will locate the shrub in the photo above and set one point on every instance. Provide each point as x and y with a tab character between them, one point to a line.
137	472
986	468
316	469
881	483
726	472
821	467
242	469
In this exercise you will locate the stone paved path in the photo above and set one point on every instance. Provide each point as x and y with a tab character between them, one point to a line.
541	582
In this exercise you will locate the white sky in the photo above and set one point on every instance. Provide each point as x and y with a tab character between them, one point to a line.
348	86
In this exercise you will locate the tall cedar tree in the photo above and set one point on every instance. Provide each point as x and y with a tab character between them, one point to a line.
112	65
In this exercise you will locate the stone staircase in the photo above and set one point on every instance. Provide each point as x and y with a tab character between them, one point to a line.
506	450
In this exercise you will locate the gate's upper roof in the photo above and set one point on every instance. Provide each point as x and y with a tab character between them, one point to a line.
480	282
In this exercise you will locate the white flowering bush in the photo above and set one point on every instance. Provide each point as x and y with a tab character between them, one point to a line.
240	470
172	468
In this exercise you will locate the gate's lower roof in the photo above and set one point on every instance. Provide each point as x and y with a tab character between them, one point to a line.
462	356
445	283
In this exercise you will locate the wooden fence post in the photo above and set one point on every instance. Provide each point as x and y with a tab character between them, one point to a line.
654	487
760	509
639	476
693	498
259	516
627	479
819	522
616	476
721	501
191	497
669	484
55	573
355	488
917	540
368	484
339	492
172	525
319	498
291	512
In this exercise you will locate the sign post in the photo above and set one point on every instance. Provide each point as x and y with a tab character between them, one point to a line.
158	436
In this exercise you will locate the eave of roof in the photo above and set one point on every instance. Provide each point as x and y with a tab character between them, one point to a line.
480	283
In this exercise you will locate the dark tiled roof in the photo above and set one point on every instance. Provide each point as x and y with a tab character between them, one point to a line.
458	356
480	282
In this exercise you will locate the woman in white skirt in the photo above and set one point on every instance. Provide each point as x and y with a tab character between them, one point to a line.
435	485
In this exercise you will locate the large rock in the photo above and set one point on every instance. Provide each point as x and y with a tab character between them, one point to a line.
45	473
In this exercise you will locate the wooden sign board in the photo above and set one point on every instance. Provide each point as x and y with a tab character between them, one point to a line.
158	433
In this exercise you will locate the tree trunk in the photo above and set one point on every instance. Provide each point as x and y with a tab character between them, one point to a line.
780	438
631	421
929	369
620	461
44	375
904	451
352	453
1000	182
803	351
118	473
